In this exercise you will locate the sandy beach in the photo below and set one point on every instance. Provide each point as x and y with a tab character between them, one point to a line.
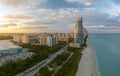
88	64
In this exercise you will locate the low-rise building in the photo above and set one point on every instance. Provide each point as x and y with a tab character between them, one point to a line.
75	45
8	48
63	39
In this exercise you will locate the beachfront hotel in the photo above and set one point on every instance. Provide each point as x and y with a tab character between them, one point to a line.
78	33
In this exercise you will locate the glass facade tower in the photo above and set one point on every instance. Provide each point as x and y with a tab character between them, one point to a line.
78	31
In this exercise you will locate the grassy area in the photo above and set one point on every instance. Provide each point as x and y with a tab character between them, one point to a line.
70	68
41	52
5	37
58	61
44	72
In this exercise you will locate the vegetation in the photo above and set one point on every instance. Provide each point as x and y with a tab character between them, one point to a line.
58	61
71	39
41	52
5	37
45	72
67	69
85	40
70	67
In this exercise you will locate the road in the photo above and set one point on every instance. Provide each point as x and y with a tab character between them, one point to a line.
33	70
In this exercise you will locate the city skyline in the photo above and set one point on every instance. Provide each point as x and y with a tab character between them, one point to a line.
21	16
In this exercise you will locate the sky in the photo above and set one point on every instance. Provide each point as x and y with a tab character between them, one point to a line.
34	16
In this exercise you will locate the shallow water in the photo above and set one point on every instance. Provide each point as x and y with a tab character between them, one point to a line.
107	48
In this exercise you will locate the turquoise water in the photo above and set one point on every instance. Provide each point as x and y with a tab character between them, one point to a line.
107	48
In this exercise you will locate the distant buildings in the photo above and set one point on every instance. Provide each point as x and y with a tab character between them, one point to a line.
17	38
34	40
49	39
25	39
63	38
42	39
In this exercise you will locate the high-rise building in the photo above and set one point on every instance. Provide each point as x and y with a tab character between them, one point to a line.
17	38
51	41
25	39
47	40
78	31
34	40
43	40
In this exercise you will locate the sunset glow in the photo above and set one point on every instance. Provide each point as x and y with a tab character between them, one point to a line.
53	16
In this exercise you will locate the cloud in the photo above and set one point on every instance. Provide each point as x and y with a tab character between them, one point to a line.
17	17
26	21
67	16
18	3
44	11
85	2
114	12
60	15
116	1
34	27
91	9
12	3
96	27
106	29
44	29
100	18
63	18
7	25
39	22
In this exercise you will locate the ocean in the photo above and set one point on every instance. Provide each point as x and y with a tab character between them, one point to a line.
107	48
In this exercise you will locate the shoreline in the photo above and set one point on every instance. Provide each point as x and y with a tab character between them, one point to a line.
96	60
88	64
